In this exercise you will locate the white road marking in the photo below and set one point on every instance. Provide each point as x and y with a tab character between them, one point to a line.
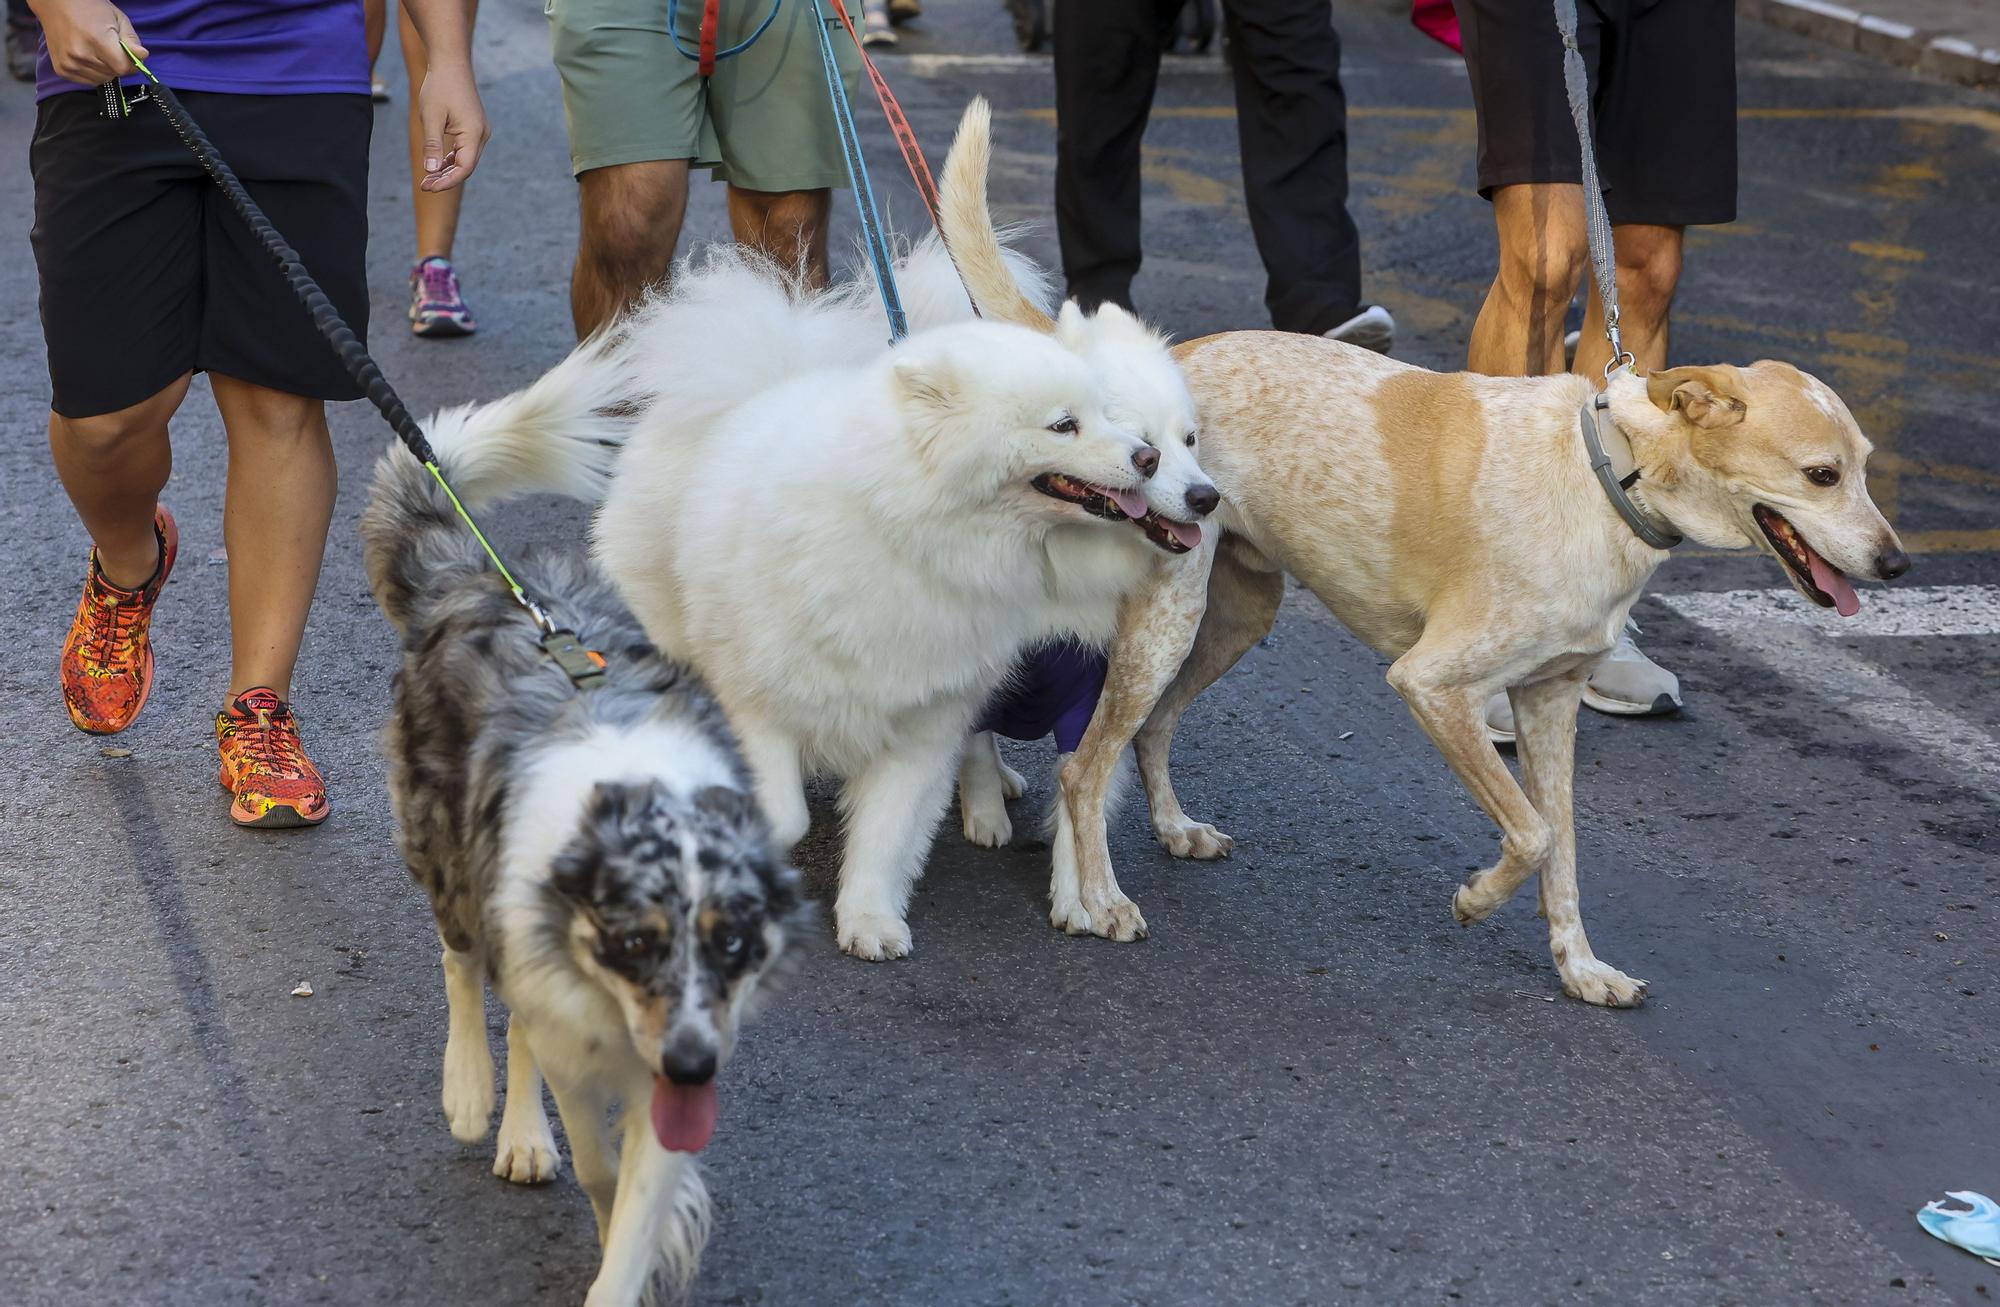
1779	629
1902	610
931	65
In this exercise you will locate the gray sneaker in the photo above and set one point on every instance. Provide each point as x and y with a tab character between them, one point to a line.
1371	328
1625	684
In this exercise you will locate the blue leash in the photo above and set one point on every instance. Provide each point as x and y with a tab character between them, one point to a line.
674	32
857	177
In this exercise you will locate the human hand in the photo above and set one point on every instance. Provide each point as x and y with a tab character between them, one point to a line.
455	127
84	37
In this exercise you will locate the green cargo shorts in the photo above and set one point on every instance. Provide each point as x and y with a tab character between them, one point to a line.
762	122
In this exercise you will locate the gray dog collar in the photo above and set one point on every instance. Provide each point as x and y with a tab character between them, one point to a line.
1600	437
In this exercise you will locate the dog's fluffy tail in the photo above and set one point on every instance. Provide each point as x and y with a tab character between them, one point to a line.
557	436
967	225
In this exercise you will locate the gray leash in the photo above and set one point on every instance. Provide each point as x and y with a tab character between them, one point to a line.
1598	223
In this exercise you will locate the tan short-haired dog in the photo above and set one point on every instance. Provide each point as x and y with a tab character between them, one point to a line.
1455	524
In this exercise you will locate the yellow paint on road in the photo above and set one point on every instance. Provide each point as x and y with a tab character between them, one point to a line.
1874	250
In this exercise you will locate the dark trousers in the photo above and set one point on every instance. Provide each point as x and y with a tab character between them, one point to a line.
1291	123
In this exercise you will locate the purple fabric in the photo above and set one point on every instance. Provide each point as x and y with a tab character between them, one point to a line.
1055	690
248	47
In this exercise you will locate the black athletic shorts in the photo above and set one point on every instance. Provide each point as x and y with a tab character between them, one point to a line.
1663	95
146	271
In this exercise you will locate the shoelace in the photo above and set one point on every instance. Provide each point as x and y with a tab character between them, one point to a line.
438	285
273	742
114	629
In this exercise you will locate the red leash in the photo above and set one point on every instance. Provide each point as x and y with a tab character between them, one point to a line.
899	122
711	18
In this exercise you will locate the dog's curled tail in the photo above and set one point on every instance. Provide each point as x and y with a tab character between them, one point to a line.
967	226
557	436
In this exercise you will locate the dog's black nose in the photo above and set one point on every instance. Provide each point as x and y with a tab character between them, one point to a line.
689	1060
1203	498
1146	459
1891	563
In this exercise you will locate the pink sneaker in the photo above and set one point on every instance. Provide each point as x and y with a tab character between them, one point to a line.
436	306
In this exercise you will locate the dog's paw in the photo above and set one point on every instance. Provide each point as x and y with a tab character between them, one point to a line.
987	825
1602	984
1194	839
1068	915
1011	783
468	1093
1117	919
1473	901
526	1154
874	936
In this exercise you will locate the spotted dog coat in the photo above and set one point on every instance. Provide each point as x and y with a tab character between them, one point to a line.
594	855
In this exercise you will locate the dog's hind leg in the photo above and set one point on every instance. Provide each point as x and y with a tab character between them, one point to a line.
774	765
893	808
468	1061
659	1219
1545	725
526	1152
1242	605
982	792
1156	628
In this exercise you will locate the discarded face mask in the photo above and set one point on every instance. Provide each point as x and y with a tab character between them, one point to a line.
1977	1231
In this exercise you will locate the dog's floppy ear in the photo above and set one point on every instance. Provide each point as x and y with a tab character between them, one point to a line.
1707	397
732	806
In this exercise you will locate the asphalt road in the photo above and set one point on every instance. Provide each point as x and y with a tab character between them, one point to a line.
1309	1086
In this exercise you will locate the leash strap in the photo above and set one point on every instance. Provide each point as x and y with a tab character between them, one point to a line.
1603	261
353	355
706	54
857	177
899	123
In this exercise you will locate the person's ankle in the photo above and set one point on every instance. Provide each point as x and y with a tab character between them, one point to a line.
131	571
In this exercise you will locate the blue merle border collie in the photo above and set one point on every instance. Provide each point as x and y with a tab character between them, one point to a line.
595	855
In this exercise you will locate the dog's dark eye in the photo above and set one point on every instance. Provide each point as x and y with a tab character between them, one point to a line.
1823	476
1064	425
731	943
1190	440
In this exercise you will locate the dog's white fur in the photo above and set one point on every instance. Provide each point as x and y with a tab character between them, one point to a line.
844	541
1453	523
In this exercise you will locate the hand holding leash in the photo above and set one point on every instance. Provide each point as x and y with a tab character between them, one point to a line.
89	40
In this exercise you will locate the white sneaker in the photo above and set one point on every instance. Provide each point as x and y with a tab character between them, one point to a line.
1372	328
876	31
1629	684
1625	684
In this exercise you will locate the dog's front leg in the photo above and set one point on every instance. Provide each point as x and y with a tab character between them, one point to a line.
1242	606
1545	723
985	783
582	1108
893	808
773	757
468	1061
1156	628
659	1219
526	1150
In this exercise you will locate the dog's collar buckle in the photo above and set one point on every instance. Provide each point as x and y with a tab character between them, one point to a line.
1592	419
584	667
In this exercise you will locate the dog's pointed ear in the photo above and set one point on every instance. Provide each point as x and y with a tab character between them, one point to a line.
1707	397
928	381
1071	322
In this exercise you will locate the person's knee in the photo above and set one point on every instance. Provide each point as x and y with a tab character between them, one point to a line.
630	222
1648	271
1544	270
109	437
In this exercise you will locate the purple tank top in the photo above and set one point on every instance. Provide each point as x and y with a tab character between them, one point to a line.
248	47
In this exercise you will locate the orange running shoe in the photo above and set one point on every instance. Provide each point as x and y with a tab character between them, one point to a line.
265	766
107	661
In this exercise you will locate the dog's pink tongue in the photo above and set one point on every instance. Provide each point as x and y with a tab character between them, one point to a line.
1130	502
1830	581
1186	532
683	1115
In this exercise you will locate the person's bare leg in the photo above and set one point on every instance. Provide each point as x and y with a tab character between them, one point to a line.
275	513
789	226
113	466
631	223
436	211
1544	250
1649	269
